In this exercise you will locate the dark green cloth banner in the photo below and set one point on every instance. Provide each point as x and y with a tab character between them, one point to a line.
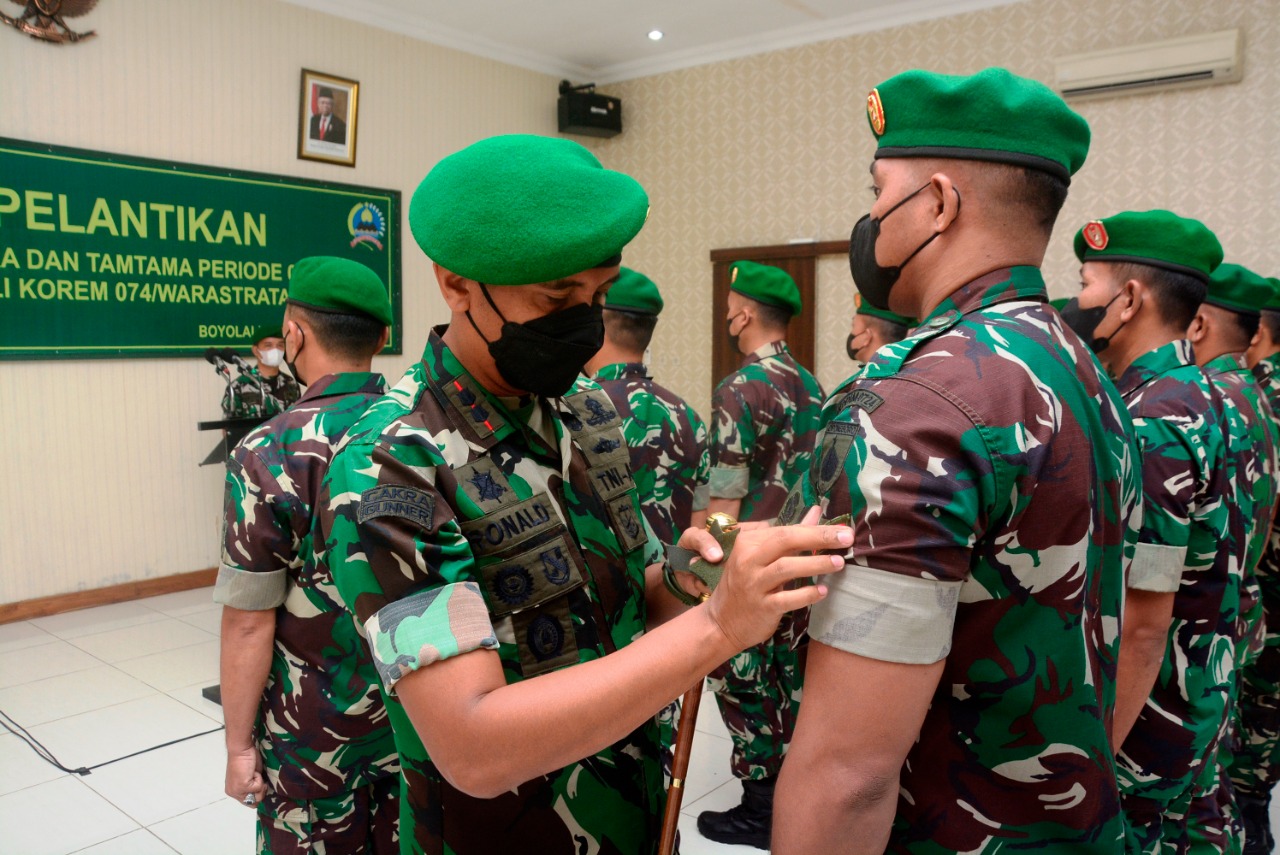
103	255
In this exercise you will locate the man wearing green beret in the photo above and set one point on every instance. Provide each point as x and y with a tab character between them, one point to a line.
961	673
872	328
308	741
765	417
1255	766
265	390
483	525
1143	277
1221	333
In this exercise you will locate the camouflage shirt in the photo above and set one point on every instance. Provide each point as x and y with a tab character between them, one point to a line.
669	458
255	396
1183	548
1251	445
457	521
764	424
989	467
322	729
1267	375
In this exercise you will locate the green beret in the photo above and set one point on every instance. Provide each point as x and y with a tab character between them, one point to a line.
266	331
1158	238
862	307
1238	289
1273	303
634	292
519	209
993	115
772	286
338	285
1060	303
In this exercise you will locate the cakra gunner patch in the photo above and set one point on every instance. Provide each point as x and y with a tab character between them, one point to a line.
417	506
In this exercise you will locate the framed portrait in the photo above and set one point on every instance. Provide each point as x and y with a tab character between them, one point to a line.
327	115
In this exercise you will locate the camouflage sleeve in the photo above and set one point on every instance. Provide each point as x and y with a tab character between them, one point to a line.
733	436
918	489
400	559
1171	489
702	477
258	543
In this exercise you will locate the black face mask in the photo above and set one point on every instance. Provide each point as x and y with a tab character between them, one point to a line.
850	349
545	355
874	282
1084	322
293	363
733	339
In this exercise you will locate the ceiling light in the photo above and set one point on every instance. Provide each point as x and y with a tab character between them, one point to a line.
655	35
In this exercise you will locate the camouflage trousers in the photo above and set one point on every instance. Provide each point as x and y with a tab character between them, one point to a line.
1213	823
1155	827
364	821
758	693
1255	768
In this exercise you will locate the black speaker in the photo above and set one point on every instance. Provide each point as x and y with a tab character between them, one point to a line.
589	114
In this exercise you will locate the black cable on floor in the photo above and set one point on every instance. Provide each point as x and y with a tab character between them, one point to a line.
45	754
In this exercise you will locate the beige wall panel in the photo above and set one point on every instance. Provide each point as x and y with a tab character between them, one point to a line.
99	457
769	148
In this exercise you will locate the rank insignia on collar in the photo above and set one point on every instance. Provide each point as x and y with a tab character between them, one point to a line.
875	112
1095	235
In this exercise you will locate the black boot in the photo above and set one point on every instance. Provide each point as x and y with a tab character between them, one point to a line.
1256	814
748	824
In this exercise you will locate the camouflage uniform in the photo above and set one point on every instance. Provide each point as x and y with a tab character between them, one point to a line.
456	521
990	469
1256	765
255	396
1214	823
327	748
1183	548
668	441
764	427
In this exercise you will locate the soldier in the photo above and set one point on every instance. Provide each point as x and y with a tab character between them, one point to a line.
265	390
963	668
1143	277
668	441
483	526
765	419
872	328
308	739
1255	767
1221	332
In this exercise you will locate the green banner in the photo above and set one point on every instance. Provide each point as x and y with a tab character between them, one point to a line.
103	255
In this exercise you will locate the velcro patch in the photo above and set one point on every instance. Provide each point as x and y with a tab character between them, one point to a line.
863	400
417	506
844	429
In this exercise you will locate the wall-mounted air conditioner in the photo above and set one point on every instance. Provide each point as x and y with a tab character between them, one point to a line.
1172	64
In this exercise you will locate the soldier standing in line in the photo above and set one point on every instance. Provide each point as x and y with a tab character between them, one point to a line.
308	739
765	419
1221	332
482	524
1143	277
872	328
266	390
961	674
1255	767
667	439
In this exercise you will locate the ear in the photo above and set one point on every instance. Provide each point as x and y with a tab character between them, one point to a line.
382	340
457	296
1257	337
1136	293
946	201
1197	330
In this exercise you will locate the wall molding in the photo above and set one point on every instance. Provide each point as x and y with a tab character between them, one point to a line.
59	603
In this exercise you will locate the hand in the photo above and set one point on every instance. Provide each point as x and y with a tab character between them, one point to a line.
753	595
244	776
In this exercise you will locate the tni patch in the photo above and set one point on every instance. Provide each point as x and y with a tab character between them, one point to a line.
417	506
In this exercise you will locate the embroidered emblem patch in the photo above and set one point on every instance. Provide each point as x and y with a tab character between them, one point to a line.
864	400
875	111
604	446
1095	235
546	637
555	566
600	414
487	488
417	506
513	585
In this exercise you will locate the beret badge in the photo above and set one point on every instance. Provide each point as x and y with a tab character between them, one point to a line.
1095	235
875	112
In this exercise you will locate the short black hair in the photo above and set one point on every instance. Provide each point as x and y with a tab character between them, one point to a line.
348	336
1271	320
1246	327
1037	193
890	331
773	317
1178	295
629	330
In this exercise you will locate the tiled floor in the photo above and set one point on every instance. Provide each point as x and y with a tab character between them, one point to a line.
101	683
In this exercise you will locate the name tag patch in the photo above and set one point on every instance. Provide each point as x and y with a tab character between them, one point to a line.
510	526
417	506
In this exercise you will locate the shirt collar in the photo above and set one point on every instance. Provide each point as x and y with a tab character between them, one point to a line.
1153	363
766	350
346	383
1226	363
622	371
998	286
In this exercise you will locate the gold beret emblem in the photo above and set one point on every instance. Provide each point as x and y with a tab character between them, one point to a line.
875	112
733	277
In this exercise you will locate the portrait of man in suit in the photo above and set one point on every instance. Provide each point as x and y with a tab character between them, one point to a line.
325	124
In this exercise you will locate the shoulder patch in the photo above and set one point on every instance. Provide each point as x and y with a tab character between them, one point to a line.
408	503
863	399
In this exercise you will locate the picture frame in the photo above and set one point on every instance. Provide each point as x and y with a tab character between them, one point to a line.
327	118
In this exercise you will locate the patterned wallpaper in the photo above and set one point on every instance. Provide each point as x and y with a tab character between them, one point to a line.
774	147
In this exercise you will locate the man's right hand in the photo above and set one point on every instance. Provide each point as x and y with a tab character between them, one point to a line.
753	595
244	776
